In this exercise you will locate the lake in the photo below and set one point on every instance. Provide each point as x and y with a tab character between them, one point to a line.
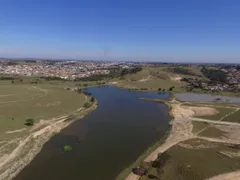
106	141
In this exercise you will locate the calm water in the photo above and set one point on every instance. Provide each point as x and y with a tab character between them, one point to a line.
104	142
205	97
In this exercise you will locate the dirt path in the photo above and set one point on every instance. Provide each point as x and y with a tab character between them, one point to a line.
215	122
226	141
15	131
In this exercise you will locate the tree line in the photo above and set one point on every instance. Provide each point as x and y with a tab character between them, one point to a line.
215	75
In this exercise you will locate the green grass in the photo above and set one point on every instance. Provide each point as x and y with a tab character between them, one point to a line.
197	164
153	85
154	78
212	131
235	117
161	77
19	102
198	126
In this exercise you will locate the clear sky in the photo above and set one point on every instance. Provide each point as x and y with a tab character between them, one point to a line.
149	30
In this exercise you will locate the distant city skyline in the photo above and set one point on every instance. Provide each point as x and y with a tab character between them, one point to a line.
164	31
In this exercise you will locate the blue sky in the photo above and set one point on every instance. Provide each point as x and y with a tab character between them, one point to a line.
145	30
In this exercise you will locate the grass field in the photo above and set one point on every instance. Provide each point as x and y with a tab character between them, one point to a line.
206	130
151	79
212	131
235	117
38	101
198	160
198	126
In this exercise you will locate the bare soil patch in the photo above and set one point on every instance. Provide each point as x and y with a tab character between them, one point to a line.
202	111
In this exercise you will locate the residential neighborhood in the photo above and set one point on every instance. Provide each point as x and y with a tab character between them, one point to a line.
61	69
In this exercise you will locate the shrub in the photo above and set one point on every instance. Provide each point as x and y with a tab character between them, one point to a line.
67	148
87	105
29	122
92	99
139	171
171	88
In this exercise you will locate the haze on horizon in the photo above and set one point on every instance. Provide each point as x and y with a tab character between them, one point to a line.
168	30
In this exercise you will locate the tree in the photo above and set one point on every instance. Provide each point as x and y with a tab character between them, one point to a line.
12	81
92	99
159	89
171	88
29	122
21	80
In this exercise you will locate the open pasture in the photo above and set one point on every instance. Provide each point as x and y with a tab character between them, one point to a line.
39	102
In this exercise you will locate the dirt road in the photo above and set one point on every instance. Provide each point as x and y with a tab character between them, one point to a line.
215	122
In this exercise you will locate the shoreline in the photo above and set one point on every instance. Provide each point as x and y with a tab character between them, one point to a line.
227	94
143	156
181	130
32	144
127	172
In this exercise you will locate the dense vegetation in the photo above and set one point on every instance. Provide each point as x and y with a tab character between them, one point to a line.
30	61
7	78
130	71
49	78
144	168
95	77
215	75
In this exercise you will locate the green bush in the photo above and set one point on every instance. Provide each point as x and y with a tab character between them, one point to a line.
67	148
29	122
